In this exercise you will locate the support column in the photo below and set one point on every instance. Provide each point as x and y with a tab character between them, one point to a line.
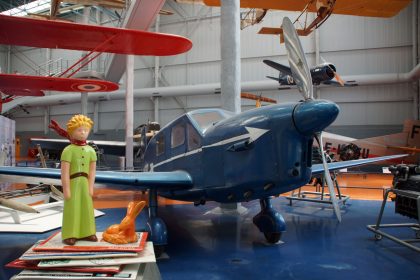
157	75
47	62
9	60
96	117
129	113
84	96
230	53
156	108
317	62
46	119
230	49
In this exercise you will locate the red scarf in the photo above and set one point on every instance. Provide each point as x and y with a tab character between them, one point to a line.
54	125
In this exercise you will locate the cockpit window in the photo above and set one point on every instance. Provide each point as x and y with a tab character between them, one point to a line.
178	135
160	144
207	119
194	140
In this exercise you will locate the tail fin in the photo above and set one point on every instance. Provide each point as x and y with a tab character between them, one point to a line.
412	128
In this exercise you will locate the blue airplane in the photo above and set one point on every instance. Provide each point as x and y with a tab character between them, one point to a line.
215	155
322	74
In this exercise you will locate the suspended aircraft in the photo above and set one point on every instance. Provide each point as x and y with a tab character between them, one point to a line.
215	155
322	8
321	74
75	36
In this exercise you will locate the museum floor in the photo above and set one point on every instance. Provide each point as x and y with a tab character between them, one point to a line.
204	244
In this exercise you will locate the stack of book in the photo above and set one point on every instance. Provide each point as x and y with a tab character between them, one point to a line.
51	259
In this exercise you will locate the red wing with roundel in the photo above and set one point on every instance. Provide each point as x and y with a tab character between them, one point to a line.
74	36
24	85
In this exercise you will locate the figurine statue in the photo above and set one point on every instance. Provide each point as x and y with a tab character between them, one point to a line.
125	232
78	169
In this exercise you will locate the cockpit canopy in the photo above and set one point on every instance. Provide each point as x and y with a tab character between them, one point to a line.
203	119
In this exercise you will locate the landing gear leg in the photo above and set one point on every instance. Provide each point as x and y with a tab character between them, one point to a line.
157	228
269	221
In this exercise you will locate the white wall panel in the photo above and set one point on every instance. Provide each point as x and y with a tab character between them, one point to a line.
371	61
349	32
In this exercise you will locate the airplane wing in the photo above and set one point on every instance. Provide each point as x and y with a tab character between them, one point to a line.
118	179
74	36
24	85
369	8
109	147
319	169
335	83
284	70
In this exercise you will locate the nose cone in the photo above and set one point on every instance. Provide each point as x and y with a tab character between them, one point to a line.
314	115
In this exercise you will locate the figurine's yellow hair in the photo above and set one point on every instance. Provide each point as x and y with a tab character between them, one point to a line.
78	121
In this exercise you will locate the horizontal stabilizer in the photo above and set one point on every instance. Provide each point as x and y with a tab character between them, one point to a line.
280	67
318	168
273	78
138	180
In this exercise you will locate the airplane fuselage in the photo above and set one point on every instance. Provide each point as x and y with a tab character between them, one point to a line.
252	155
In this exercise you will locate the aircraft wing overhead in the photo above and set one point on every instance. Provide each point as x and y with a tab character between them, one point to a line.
24	85
280	67
319	169
74	36
119	179
369	8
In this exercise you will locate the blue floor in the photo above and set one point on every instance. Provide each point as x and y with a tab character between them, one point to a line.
203	245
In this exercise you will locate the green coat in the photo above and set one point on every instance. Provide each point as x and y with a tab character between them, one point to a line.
78	214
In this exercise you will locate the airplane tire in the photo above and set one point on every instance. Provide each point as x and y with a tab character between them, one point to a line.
272	237
159	250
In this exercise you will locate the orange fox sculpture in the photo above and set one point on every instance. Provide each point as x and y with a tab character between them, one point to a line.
125	232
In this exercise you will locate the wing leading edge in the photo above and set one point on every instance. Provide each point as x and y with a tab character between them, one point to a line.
318	168
139	180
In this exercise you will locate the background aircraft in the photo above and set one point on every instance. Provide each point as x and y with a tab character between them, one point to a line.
258	99
321	74
253	155
322	8
74	36
347	148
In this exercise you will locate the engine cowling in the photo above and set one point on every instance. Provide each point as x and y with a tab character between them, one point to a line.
323	72
349	152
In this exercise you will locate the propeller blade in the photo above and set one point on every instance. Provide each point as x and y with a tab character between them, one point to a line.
297	60
338	78
327	176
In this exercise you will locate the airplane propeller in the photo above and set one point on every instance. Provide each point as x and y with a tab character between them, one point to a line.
327	175
303	78
297	60
336	76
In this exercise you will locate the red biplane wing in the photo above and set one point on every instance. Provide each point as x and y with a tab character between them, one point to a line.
67	35
24	85
368	8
